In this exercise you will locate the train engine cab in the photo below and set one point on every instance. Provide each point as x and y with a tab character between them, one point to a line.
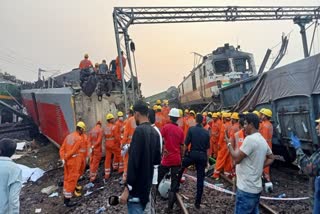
223	66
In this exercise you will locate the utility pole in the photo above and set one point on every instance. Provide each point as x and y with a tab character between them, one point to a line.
302	22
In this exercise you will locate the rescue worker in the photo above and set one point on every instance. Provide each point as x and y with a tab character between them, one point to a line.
129	128
180	120
214	137
190	122
239	135
172	152
185	118
96	68
118	67
222	163
160	120
71	160
266	130
231	137
119	130
199	139
95	139
165	111
110	135
209	119
85	63
205	124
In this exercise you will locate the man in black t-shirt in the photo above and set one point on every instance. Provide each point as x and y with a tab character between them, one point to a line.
144	153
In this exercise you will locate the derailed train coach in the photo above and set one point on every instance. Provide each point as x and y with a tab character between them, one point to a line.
222	67
292	92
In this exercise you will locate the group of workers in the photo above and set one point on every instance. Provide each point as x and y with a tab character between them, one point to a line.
102	68
78	146
117	134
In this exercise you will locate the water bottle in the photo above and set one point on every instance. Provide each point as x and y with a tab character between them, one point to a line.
283	195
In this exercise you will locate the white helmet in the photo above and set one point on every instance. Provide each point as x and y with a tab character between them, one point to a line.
174	112
164	187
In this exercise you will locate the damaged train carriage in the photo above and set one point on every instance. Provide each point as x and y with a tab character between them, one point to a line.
292	92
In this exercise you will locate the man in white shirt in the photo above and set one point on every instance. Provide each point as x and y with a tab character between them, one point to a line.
10	178
251	158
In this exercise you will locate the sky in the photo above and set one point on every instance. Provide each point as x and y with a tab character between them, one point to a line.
54	35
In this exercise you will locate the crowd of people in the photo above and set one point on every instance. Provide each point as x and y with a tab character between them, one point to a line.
156	142
103	68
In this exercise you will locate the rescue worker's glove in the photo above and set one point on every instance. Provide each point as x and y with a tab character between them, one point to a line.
295	142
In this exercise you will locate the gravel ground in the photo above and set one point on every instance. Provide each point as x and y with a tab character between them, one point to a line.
286	180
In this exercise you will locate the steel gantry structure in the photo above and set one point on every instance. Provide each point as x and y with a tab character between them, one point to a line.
124	17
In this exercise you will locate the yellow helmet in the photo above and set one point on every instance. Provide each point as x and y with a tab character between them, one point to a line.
81	125
131	107
192	112
235	116
155	107
210	113
256	112
165	101
205	113
266	112
120	114
159	107
186	111
218	114
180	112
214	115
226	115
109	116
245	112
158	102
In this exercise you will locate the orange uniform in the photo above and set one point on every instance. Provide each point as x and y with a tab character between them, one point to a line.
110	134
84	153
70	153
231	135
239	138
266	130
214	137
118	158
95	139
160	120
85	63
129	128
180	122
190	122
118	68
165	112
223	160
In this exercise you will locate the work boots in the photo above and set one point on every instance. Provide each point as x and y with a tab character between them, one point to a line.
68	203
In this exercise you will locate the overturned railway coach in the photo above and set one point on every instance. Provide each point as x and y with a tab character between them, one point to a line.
292	92
223	66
